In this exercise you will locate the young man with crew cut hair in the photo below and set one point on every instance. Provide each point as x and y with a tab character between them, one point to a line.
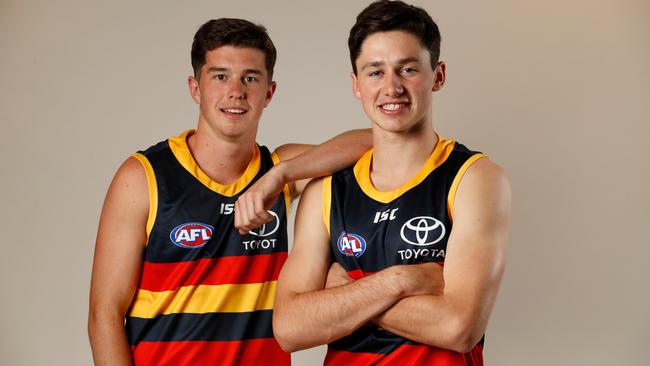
192	235
398	259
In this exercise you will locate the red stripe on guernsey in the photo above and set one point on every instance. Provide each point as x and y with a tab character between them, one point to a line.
212	271
357	274
350	358
407	354
263	351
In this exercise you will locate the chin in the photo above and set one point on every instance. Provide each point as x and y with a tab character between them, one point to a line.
393	126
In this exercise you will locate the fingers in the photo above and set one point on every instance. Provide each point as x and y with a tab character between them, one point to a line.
430	278
419	279
250	212
239	220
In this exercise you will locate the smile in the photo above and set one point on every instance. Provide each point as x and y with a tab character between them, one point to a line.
394	107
233	110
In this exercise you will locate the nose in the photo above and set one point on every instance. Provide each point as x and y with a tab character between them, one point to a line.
393	87
236	90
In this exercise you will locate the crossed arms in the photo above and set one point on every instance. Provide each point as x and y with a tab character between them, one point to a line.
447	308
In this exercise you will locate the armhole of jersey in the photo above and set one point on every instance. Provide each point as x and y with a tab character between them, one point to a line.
153	191
327	202
454	185
285	189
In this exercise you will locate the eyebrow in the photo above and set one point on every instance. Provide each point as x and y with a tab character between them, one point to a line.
224	69
217	69
408	60
400	62
372	64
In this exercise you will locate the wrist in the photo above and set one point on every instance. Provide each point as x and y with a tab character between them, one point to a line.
395	281
282	171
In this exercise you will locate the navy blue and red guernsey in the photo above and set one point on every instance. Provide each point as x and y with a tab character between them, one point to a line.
205	294
371	230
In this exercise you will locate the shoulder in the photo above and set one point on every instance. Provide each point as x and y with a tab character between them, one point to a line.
474	167
314	190
132	169
485	173
484	193
312	198
129	186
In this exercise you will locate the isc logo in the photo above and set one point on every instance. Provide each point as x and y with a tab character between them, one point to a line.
351	245
385	215
191	235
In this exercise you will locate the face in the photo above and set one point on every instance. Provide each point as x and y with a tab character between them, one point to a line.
232	90
394	81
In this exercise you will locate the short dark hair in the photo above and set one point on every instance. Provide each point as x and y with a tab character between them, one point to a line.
231	32
386	15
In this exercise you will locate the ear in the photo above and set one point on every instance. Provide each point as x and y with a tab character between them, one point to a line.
195	92
355	86
440	74
269	92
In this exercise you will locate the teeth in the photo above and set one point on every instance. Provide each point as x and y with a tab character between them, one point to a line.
229	110
391	107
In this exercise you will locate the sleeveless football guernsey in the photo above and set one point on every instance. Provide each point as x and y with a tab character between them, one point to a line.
371	230
205	294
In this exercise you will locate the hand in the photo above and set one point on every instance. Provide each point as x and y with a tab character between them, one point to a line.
419	279
251	207
337	276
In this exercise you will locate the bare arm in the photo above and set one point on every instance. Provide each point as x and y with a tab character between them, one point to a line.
457	318
118	259
298	164
306	314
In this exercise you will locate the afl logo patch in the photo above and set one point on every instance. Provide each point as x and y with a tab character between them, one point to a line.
422	231
351	245
191	235
268	228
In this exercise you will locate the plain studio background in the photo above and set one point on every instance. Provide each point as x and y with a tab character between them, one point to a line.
557	92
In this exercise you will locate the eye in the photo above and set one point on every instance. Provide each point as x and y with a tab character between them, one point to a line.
219	77
409	70
250	79
375	73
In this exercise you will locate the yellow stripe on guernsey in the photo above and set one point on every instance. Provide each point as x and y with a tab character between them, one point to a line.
327	201
153	191
180	149
285	189
201	299
439	155
451	197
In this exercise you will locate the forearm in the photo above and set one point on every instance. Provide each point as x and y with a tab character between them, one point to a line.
328	157
434	320
108	339
304	320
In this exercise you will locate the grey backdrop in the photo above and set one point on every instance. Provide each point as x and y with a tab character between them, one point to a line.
557	92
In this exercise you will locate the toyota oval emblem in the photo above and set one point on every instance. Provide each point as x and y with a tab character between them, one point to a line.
422	231
268	228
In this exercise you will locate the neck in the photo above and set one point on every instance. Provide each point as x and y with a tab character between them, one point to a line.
397	157
223	159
